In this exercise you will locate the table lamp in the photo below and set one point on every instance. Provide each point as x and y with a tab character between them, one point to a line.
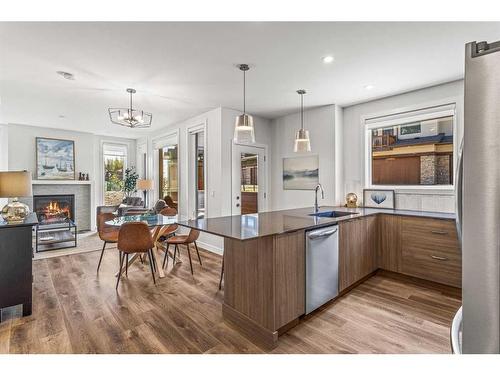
145	185
13	185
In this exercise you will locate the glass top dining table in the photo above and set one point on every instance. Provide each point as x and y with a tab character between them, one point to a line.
149	219
153	221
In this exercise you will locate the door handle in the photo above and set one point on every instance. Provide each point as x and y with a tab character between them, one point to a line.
438	258
458	189
313	236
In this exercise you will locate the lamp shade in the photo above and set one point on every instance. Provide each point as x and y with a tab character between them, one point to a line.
15	184
244	129
144	184
302	141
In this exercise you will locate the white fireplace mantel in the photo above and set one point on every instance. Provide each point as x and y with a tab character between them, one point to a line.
61	182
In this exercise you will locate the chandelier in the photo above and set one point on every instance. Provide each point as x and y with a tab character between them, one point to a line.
130	117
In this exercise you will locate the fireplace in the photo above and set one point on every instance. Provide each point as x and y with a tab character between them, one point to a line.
54	209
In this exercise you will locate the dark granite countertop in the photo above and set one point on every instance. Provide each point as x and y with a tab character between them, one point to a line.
244	227
30	221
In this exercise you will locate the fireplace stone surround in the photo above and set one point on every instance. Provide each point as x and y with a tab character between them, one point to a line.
82	190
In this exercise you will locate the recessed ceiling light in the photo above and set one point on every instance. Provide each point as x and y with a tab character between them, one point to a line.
369	87
328	59
66	75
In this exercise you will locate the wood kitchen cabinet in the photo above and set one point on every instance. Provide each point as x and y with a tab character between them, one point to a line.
264	283
358	240
430	250
389	246
426	248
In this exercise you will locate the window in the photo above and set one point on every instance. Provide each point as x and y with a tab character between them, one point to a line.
168	172
199	167
411	129
115	163
415	149
249	189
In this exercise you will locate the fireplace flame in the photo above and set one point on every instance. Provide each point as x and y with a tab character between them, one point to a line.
53	210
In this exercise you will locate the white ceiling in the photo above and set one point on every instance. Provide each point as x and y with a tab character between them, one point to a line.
183	69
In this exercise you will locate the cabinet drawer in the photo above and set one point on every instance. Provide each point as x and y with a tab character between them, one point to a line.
430	231
432	264
430	251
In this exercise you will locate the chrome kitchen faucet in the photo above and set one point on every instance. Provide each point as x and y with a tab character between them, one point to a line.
319	186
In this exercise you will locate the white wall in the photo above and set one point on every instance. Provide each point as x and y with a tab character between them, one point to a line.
354	140
321	125
88	152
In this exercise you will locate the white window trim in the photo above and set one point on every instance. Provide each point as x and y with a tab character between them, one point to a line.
101	159
426	113
141	149
165	139
161	141
191	130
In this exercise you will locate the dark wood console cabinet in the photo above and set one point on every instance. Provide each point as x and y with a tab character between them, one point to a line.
16	256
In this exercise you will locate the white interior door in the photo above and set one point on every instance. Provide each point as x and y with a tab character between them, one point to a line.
248	177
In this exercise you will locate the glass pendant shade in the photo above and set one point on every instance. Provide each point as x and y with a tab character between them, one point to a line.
244	129
302	141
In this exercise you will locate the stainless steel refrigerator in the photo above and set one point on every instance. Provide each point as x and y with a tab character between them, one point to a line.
479	200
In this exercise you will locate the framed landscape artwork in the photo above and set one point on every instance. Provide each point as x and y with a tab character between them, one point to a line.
55	159
301	173
374	198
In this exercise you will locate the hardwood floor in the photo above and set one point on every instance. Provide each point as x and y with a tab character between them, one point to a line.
77	311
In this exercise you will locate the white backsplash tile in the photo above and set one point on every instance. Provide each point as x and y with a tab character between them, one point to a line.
436	202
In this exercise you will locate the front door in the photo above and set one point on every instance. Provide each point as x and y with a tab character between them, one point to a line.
248	180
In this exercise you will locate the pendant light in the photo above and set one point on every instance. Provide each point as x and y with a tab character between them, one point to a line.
302	140
243	126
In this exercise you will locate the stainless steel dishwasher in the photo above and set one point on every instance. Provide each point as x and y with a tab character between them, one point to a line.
322	266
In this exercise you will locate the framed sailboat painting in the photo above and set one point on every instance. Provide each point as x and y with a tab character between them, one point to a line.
55	159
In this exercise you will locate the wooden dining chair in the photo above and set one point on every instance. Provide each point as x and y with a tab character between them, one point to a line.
184	240
165	232
134	237
107	233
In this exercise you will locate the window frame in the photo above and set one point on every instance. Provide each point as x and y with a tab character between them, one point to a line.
103	169
191	158
169	138
402	117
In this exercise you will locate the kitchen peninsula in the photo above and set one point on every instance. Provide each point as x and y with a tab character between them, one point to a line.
265	261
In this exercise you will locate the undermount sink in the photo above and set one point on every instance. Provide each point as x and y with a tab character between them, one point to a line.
333	214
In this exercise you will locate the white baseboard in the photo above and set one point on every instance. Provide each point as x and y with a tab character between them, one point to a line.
211	248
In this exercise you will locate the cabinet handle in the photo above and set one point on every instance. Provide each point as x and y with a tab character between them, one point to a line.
439	232
438	258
